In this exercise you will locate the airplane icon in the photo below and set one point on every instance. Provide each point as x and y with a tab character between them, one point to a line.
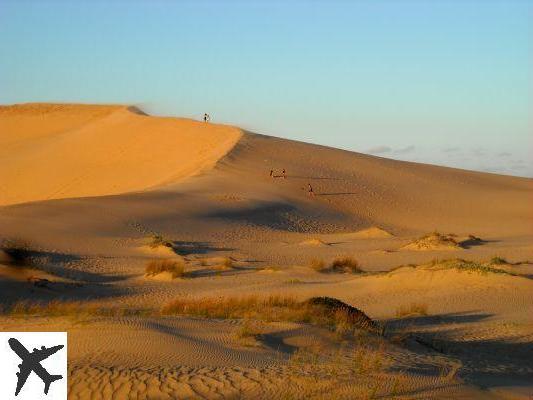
32	362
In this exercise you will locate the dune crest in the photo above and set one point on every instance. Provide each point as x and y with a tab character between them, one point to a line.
53	151
371	233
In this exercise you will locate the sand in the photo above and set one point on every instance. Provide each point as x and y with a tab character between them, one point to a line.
86	188
54	152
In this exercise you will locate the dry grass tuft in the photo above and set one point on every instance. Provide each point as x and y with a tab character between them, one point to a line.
346	264
228	263
340	265
267	308
469	266
433	241
414	309
175	268
496	260
159	240
249	329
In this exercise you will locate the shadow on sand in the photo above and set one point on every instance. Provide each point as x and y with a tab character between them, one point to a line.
486	363
184	248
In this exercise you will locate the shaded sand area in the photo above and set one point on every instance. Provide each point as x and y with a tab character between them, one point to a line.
181	269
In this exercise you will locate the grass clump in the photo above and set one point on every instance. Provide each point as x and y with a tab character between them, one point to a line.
249	331
339	265
433	241
175	268
227	263
469	266
413	309
346	264
159	240
496	260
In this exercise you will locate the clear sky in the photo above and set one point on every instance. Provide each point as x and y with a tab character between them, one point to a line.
445	82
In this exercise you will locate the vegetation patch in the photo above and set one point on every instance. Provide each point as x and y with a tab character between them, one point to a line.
318	265
346	264
469	266
339	265
159	240
175	268
434	241
227	264
498	261
322	311
59	308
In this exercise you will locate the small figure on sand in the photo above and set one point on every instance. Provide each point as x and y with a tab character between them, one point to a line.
310	190
284	174
272	173
207	118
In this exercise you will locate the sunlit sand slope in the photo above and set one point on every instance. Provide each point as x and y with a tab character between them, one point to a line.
51	151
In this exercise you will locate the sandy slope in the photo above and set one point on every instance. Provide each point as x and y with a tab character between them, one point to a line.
60	163
58	151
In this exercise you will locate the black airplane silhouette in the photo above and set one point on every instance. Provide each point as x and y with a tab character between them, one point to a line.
32	362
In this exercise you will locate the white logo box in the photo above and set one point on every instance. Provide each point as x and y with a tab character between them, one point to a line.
32	350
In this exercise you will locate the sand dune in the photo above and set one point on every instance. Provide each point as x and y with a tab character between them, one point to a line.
62	151
59	151
96	193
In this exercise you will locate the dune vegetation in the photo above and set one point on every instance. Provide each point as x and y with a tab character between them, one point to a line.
176	268
339	265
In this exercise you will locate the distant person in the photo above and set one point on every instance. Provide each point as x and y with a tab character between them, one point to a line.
310	190
284	174
207	118
272	173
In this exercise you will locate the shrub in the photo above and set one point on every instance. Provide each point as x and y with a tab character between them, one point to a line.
176	268
346	264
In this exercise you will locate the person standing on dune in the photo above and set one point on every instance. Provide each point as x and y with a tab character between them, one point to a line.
284	174
272	173
310	190
207	118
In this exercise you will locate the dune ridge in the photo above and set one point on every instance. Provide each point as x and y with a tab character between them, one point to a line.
54	151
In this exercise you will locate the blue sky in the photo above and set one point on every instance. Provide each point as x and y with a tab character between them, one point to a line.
445	82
